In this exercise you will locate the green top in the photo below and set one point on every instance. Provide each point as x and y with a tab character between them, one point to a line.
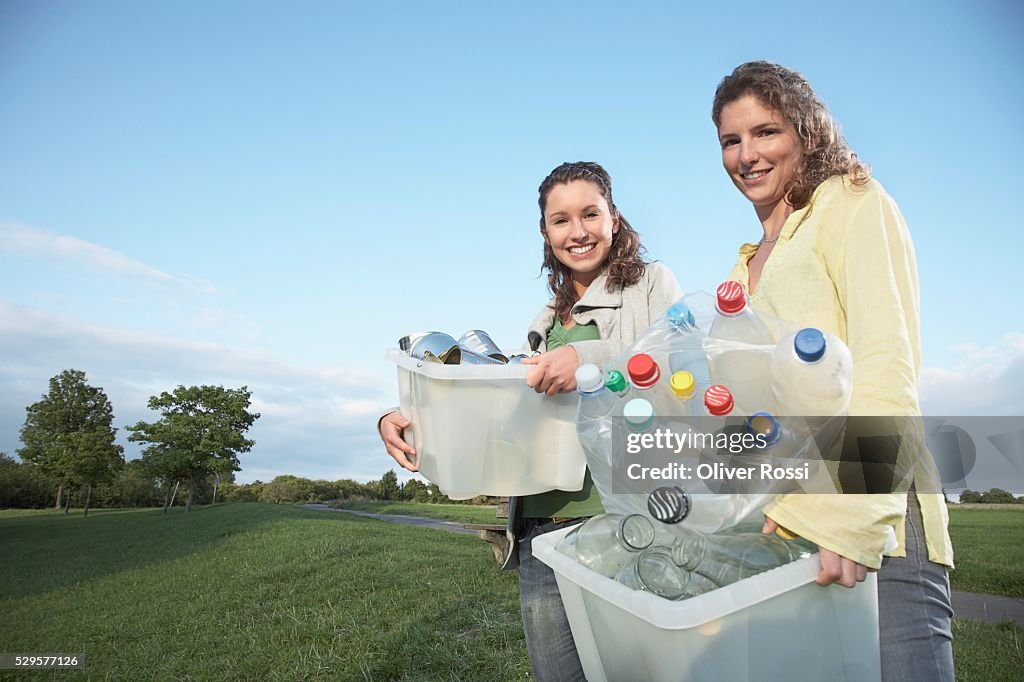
560	503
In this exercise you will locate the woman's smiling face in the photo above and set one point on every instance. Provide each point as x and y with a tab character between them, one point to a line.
579	226
761	151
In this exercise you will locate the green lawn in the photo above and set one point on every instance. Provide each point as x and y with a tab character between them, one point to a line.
275	592
988	545
256	592
462	513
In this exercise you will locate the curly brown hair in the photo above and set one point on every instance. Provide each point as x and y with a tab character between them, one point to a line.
787	92
624	266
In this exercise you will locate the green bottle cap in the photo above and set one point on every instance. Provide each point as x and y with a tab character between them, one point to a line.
616	381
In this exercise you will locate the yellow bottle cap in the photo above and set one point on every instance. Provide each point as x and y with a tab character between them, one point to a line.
786	534
682	384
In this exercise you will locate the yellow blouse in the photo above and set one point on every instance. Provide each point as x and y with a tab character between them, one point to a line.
845	264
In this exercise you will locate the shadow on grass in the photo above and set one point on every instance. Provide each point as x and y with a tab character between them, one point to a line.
46	550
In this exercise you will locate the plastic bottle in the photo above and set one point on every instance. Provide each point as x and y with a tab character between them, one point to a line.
726	558
645	375
596	401
786	447
718	402
811	375
605	543
735	320
638	414
733	359
687	349
684	389
618	385
653	570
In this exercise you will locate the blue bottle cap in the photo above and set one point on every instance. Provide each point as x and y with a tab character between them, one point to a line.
680	316
765	424
809	344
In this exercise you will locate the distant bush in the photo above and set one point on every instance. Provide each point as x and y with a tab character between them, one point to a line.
993	496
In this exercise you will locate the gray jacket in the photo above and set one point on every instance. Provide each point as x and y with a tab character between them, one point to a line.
621	315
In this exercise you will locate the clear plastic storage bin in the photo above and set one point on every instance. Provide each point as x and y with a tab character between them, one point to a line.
479	430
778	625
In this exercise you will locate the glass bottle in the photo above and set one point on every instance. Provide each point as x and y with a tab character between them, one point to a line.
728	557
653	570
605	543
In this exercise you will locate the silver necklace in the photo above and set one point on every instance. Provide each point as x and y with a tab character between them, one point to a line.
770	241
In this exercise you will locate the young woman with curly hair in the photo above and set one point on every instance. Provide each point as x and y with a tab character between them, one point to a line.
603	296
835	254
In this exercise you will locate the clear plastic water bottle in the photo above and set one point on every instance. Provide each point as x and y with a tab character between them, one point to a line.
735	320
732	359
653	570
811	375
618	385
645	375
684	388
726	558
605	543
596	401
638	415
687	346
784	446
718	402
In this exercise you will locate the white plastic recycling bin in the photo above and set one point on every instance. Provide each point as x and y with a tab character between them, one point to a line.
479	430
778	625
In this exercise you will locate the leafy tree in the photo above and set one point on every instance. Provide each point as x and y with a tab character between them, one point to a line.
22	486
388	488
998	496
69	435
969	496
287	488
201	431
414	490
133	487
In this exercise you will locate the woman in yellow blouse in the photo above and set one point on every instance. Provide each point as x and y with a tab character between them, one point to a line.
836	254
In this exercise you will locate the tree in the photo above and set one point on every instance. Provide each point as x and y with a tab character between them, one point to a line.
388	488
998	496
414	490
287	488
970	496
69	435
201	431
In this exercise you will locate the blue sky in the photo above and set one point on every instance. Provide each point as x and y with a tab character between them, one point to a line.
271	194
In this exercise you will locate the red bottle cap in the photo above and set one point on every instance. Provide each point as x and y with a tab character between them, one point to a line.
731	297
643	370
718	400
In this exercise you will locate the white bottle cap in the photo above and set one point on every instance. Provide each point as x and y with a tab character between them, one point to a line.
589	378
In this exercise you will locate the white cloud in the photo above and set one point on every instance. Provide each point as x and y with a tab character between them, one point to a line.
979	380
60	248
317	422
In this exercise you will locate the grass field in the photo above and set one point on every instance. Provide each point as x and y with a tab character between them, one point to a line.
256	592
462	513
988	545
268	592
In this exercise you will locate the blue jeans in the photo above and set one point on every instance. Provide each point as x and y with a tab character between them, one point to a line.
548	637
914	611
